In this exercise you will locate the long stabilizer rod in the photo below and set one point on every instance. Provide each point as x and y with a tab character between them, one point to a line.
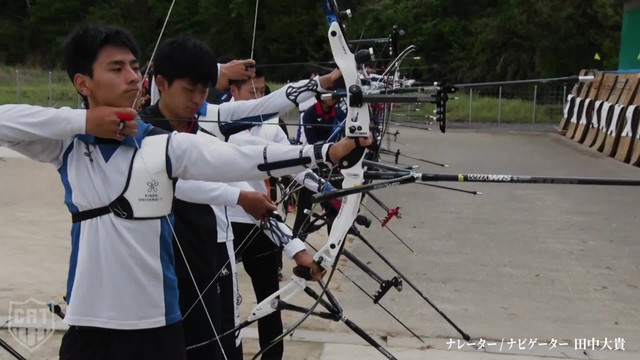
404	178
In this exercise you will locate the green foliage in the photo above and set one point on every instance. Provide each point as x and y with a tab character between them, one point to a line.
462	41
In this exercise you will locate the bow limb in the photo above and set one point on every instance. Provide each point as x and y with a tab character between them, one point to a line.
357	125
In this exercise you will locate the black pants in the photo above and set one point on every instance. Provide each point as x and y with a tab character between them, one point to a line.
84	343
220	300
260	258
229	302
197	328
305	201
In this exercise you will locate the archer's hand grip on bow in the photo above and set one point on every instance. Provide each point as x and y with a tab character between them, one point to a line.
313	273
353	157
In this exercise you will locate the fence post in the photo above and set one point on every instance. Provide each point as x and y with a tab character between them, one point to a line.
50	98
564	96
535	99
470	103
17	86
499	104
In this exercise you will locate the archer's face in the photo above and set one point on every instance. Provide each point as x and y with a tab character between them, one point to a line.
182	99
249	90
116	78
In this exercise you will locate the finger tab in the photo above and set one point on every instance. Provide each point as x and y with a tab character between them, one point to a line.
125	116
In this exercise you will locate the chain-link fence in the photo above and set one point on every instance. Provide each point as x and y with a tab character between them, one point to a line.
533	104
36	87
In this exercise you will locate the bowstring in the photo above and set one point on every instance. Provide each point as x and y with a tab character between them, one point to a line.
323	285
249	238
388	108
167	216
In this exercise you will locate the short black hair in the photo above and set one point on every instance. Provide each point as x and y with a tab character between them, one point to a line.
186	58
240	83
83	44
226	58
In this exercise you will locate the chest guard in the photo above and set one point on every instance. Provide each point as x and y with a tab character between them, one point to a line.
148	192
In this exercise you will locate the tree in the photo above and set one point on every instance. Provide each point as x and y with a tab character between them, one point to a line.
462	40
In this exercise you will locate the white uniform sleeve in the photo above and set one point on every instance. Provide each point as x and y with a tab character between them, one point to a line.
208	158
278	102
40	133
244	138
293	247
280	137
265	134
306	178
203	192
231	115
28	122
303	106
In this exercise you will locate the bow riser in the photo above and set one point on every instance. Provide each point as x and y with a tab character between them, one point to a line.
353	176
350	204
356	126
358	113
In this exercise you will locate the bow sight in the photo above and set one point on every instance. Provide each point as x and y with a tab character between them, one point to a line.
438	94
391	41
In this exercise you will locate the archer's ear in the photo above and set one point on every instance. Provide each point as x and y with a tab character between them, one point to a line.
162	83
233	89
82	84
